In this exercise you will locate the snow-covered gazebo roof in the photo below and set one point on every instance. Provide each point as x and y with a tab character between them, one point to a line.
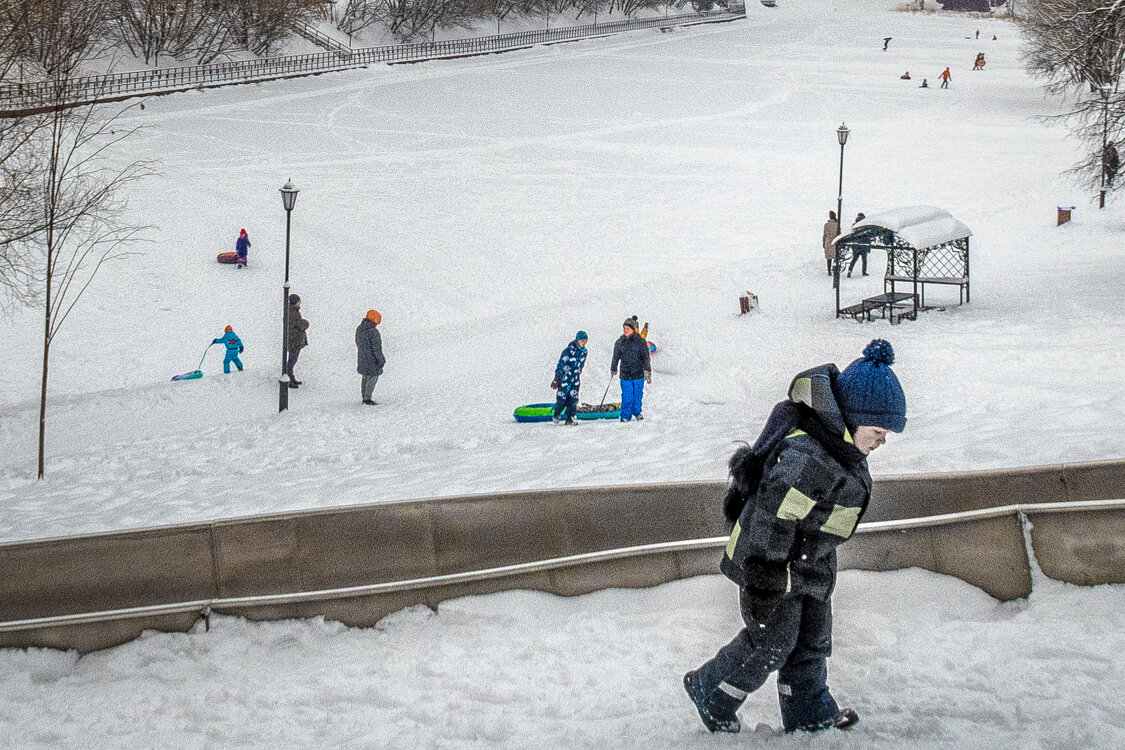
918	226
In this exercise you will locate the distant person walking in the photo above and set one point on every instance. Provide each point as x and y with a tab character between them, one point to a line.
978	33
886	41
631	352
369	344
978	64
860	250
296	338
1111	162
831	231
241	248
945	78
568	375
234	348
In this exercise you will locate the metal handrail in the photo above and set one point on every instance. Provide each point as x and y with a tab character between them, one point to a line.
20	96
205	606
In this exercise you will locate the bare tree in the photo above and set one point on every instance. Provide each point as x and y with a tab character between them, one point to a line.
1078	48
358	15
57	34
188	29
79	195
261	25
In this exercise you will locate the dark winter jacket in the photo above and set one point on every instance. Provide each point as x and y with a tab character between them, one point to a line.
569	369
370	345
241	246
298	339
813	490
631	352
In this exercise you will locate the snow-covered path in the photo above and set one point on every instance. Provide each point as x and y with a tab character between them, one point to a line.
491	207
928	661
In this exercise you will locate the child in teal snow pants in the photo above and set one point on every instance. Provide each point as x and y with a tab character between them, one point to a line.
234	348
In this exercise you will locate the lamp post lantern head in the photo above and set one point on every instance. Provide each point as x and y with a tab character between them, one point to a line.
842	134
289	195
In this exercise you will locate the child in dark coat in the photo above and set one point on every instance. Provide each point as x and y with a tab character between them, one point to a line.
242	247
234	348
631	352
794	497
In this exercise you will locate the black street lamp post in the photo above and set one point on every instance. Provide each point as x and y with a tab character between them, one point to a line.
842	136
288	199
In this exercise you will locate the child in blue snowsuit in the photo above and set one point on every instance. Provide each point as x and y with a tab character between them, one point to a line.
567	374
241	247
234	348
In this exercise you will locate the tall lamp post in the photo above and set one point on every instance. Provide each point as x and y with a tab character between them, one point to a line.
288	199
1105	91
842	136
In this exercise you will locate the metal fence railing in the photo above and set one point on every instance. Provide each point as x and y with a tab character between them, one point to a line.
38	95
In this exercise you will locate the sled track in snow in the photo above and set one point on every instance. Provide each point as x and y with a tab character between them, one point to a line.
357	564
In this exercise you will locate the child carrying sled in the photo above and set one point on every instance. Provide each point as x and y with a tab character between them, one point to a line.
234	348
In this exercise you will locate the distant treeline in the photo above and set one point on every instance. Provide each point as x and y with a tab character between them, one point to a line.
53	36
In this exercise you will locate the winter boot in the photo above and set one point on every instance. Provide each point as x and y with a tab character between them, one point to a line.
845	718
556	418
713	718
570	420
638	417
369	402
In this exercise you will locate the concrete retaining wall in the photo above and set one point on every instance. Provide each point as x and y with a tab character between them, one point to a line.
205	565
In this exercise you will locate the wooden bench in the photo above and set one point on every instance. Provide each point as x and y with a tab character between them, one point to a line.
962	282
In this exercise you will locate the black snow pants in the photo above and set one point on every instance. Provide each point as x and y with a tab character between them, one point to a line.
795	639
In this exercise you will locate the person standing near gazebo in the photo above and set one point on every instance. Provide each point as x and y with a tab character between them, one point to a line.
831	231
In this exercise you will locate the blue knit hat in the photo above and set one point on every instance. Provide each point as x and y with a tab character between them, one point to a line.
581	336
869	392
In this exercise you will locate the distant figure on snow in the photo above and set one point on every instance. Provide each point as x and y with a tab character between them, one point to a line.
978	64
371	359
831	230
241	246
886	41
1111	162
924	84
568	374
631	352
945	78
860	250
234	348
296	337
978	33
905	76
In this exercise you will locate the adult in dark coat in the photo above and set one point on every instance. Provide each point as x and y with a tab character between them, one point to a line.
860	249
296	337
371	359
568	378
795	496
631	352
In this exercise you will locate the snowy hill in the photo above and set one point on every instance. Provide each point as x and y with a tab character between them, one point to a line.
491	207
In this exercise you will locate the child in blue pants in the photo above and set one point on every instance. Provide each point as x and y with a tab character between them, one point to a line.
234	348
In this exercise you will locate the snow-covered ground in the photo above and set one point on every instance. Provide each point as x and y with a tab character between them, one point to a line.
529	670
491	207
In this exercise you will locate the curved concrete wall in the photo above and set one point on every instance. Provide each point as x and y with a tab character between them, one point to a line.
202	564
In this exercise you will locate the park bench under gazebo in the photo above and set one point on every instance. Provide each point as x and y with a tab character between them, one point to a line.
924	245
